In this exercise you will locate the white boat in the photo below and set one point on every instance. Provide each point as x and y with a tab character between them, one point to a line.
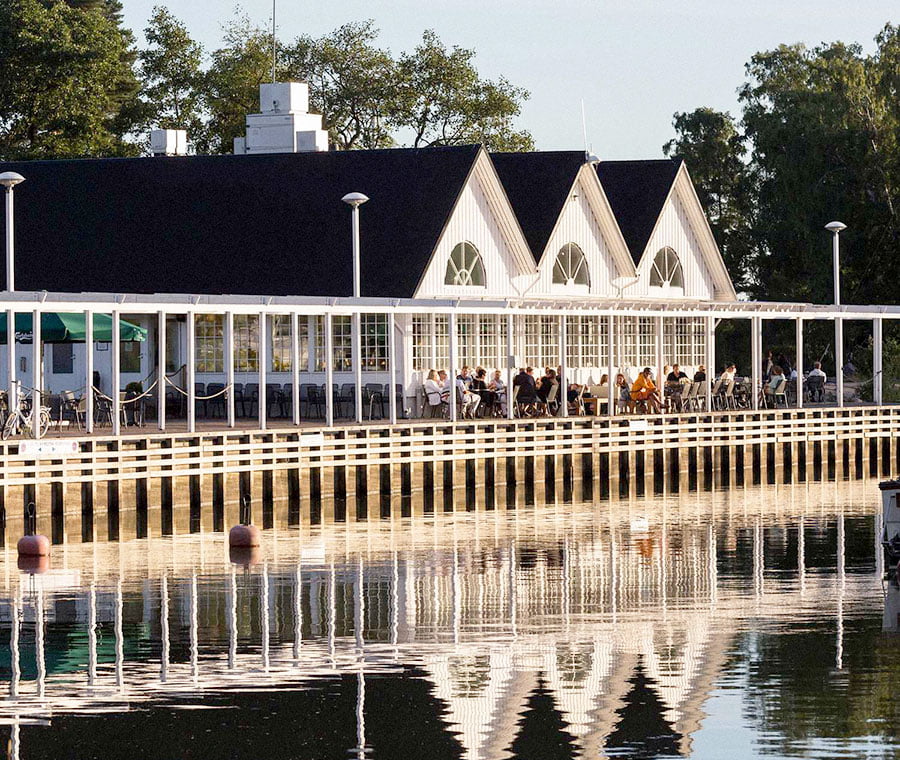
890	532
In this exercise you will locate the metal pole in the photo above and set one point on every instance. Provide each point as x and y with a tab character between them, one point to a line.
878	360
510	361
262	357
10	246
836	266
329	372
563	397
229	367
161	340
755	358
89	371
355	218
838	322
115	374
37	374
392	359
191	373
295	368
611	389
451	375
798	364
11	358
356	357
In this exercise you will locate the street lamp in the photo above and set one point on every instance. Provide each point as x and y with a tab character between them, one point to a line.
835	228
355	200
9	180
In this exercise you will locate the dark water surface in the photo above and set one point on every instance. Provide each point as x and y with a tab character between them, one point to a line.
734	624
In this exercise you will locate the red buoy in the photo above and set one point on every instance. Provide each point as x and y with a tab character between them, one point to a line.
33	546
245	556
243	536
29	563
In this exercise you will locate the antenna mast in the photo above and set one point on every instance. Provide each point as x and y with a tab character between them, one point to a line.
274	54
584	129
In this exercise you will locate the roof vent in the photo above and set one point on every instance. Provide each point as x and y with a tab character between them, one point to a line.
168	142
284	124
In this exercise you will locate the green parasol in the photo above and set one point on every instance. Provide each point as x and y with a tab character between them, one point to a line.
61	327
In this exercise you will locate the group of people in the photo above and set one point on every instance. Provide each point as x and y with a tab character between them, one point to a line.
474	391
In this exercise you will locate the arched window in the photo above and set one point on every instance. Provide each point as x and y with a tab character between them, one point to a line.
571	266
666	270
465	266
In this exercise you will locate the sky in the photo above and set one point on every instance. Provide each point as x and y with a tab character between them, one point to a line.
635	63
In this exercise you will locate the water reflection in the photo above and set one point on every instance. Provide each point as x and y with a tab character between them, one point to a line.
642	629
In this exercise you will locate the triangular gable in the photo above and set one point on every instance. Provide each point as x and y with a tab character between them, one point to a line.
606	220
482	215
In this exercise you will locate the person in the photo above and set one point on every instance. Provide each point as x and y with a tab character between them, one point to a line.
767	366
485	393
499	387
728	374
815	383
782	361
816	371
467	400
623	393
775	378
524	381
546	383
432	393
644	390
444	382
674	380
700	374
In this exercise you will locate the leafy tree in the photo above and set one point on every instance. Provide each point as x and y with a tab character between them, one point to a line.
712	146
171	75
67	87
231	84
352	82
443	101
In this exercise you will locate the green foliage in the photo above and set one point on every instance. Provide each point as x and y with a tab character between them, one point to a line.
171	73
67	86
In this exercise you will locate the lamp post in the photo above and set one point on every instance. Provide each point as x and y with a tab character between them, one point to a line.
9	180
355	200
835	229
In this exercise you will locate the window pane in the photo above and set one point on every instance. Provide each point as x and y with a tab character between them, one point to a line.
246	343
130	356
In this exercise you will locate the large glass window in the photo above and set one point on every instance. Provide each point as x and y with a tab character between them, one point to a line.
421	342
374	341
342	343
246	343
666	270
465	267
280	326
571	266
209	334
319	327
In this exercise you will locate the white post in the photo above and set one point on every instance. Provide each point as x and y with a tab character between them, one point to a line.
451	375
295	368
710	359
229	368
755	358
878	360
89	371
11	358
190	374
510	357
115	346
611	376
660	371
161	370
262	354
563	396
392	358
839	358
329	372
37	373
356	277
356	356
10	245
798	364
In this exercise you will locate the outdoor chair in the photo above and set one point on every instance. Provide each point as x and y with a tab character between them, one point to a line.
237	393
716	394
373	395
215	406
274	398
200	407
780	393
250	397
315	400
305	388
814	388
576	407
549	406
347	397
728	395
72	408
689	397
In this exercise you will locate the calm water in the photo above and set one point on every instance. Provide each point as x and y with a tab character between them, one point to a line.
726	625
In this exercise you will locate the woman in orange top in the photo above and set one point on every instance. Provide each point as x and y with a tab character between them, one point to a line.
644	389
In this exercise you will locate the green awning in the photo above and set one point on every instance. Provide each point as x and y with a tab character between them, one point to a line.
69	328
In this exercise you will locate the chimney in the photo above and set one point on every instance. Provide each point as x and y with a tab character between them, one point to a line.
168	142
284	124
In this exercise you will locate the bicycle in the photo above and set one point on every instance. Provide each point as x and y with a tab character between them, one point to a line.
20	420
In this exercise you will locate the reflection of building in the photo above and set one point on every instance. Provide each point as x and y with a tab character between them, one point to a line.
591	606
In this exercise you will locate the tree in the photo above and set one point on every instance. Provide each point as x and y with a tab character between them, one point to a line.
67	87
713	148
171	75
231	84
352	82
443	101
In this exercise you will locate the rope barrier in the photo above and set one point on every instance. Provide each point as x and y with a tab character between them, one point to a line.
101	394
183	392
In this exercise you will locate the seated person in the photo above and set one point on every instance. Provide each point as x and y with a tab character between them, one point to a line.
524	381
444	382
775	379
644	389
546	383
623	393
700	374
468	401
480	386
728	374
433	390
816	371
674	381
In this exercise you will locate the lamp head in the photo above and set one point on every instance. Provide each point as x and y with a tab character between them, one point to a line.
10	179
835	227
355	199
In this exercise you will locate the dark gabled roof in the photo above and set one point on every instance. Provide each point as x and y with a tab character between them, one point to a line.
636	191
538	186
254	225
